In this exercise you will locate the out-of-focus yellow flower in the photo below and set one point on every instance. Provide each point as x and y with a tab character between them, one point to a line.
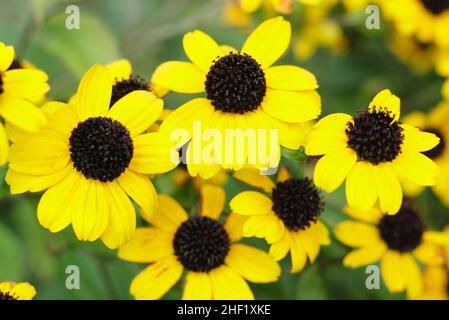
427	20
356	5
435	122
281	6
398	241
436	284
233	15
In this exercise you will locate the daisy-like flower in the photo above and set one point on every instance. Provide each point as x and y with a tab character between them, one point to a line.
20	88
398	241
427	20
287	218
436	123
282	6
16	291
243	91
91	157
371	151
217	266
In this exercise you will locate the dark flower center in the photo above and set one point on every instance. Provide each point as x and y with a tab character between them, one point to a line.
6	296
403	231
374	136
236	84
201	244
439	148
435	6
297	203
101	148
123	87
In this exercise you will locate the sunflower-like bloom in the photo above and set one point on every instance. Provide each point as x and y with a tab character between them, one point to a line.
91	156
427	20
287	218
16	291
436	123
371	151
435	284
399	241
217	266
20	88
282	6
243	92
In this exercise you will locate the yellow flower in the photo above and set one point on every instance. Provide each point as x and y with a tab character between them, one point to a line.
282	6
436	284
319	31
287	219
371	151
356	5
427	20
91	157
398	241
436	123
16	291
20	88
243	91
217	266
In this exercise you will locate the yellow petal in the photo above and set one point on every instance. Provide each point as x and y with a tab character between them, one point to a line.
418	141
23	291
292	106
137	111
332	169
29	84
168	215
386	100
251	203
153	282
6	56
266	226
90	214
120	70
321	232
388	188
147	245
4	145
122	216
249	6
252	264
198	286
429	253
290	78
153	154
55	206
269	41
255	179
417	168
94	93
361	191
280	248
371	216
140	189
299	255
310	243
392	271
212	201
22	113
177	76
234	226
197	110
365	255
356	234
201	49
414	280
227	284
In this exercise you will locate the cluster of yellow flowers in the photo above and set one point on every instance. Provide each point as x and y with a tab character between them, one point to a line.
93	156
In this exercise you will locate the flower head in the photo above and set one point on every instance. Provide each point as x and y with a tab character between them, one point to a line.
372	151
287	218
90	158
217	266
16	291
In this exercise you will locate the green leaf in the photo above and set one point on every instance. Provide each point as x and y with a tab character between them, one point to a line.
298	155
310	285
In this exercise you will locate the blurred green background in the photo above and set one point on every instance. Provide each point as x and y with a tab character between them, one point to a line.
148	33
